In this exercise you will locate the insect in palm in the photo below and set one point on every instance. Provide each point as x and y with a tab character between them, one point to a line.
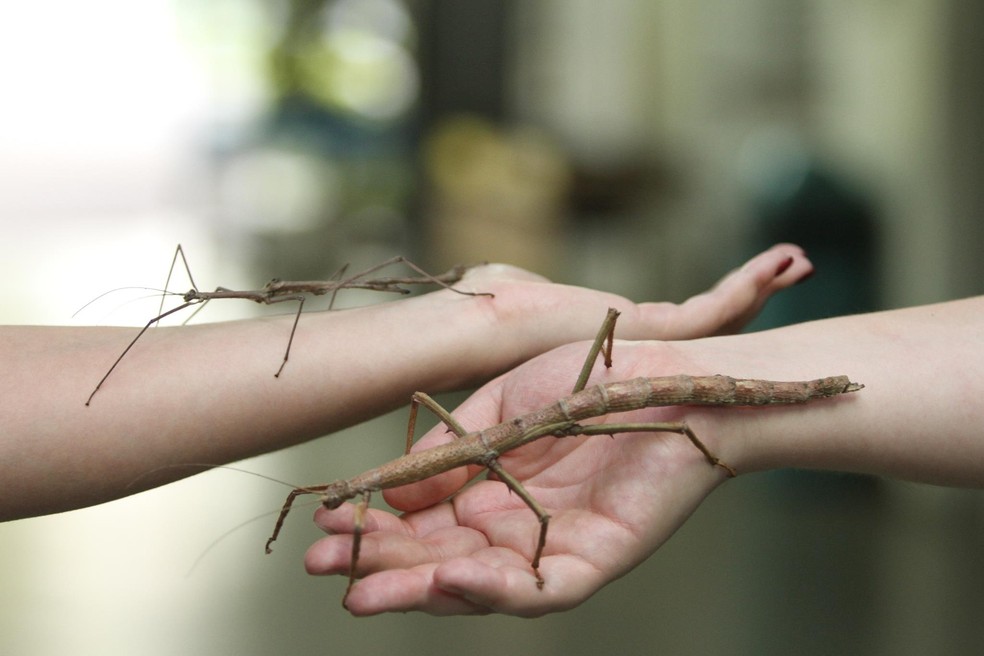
559	419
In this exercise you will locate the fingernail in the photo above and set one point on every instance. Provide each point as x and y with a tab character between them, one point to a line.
785	264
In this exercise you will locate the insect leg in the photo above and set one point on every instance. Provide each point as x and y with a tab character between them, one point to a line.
393	283
602	344
336	276
134	341
296	492
360	513
422	399
655	427
534	505
174	260
293	329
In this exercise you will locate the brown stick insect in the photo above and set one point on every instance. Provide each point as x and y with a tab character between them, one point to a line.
559	419
280	291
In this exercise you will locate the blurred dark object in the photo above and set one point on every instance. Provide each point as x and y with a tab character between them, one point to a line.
815	208
598	193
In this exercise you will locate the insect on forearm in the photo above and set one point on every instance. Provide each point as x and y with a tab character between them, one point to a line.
280	291
560	419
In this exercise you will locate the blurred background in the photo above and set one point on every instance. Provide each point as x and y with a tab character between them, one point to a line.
639	147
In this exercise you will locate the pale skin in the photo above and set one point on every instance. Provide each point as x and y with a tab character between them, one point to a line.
206	393
614	501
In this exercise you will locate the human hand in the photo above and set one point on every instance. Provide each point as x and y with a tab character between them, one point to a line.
612	502
535	315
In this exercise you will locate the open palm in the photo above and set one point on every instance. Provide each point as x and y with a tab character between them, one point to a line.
612	501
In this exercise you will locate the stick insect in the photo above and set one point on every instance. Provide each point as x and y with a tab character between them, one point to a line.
559	419
280	291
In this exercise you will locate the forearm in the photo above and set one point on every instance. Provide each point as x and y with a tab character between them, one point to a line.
920	416
207	394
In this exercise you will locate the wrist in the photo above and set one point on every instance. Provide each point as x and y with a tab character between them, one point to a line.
755	437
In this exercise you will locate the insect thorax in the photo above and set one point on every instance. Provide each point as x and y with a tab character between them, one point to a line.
337	493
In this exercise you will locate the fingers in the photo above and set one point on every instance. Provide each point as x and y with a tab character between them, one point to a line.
500	582
389	541
782	266
742	293
737	298
399	566
429	563
406	590
493	580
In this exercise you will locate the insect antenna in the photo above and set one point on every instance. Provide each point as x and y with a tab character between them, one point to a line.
207	466
204	466
161	292
214	543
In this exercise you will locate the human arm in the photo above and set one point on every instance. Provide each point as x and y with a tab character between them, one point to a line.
614	501
206	393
